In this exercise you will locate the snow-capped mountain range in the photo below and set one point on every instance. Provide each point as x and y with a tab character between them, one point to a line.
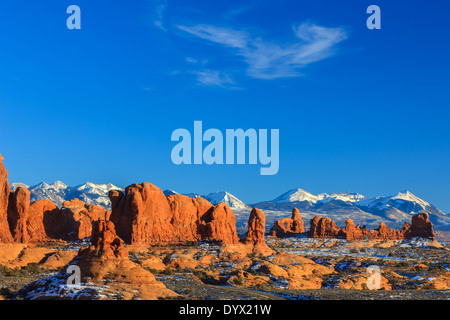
58	192
393	210
216	197
302	195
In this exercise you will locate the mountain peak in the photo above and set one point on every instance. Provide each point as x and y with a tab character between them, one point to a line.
42	185
297	195
226	197
58	185
406	195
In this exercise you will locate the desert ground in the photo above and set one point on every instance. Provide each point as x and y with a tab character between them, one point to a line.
293	268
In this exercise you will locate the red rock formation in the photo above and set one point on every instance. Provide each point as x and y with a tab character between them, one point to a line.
106	260
106	272
288	226
186	215
323	228
352	232
77	218
5	233
420	226
298	226
72	222
119	217
256	228
143	215
44	221
219	224
384	233
18	206
104	245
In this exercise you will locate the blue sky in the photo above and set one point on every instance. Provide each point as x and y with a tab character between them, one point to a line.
358	110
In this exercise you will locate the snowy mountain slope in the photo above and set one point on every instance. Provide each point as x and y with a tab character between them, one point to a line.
229	199
404	201
58	192
302	195
297	195
215	198
169	192
394	210
343	196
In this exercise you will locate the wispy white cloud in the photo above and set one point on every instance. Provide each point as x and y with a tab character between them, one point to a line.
196	61
270	60
213	78
159	11
227	37
191	60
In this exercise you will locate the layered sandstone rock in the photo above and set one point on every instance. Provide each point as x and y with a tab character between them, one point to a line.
106	260
384	233
77	217
253	243
219	224
352	232
323	227
420	226
106	272
44	221
298	226
144	215
18	207
256	228
5	233
186	215
288	227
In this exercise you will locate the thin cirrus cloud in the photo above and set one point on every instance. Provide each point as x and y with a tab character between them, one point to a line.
269	60
213	78
158	16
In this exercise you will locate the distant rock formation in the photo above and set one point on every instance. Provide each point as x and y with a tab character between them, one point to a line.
384	233
144	215
323	227
326	228
253	243
5	233
106	272
352	232
256	228
420	226
288	227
